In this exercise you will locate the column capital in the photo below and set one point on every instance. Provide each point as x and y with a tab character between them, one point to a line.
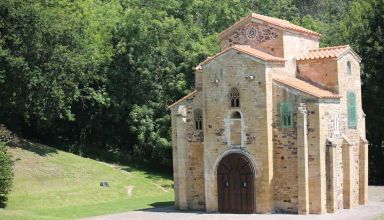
303	109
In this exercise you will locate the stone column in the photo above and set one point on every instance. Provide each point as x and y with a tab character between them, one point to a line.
302	161
181	158
347	174
363	171
331	176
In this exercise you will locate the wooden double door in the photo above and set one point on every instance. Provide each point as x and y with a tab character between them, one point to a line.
235	181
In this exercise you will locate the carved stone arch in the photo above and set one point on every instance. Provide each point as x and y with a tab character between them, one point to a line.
245	153
255	173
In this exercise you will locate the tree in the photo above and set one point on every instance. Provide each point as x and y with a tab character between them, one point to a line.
6	175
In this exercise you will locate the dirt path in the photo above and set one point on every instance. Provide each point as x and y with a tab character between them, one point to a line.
374	208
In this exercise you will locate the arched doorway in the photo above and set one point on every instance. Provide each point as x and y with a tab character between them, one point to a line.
235	184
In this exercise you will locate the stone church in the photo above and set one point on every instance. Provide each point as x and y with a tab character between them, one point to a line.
275	125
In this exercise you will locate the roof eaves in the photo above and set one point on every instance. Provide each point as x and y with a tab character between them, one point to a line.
322	54
224	33
182	99
270	20
352	52
284	24
272	59
306	91
242	50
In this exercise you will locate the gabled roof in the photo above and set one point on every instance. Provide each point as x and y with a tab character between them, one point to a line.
182	99
305	87
328	52
247	50
274	21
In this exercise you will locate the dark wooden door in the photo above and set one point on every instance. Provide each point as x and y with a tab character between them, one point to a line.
235	185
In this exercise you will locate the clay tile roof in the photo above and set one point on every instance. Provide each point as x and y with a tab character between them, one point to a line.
182	99
327	52
283	24
306	87
247	50
274	21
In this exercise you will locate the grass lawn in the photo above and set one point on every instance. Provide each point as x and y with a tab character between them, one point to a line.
52	184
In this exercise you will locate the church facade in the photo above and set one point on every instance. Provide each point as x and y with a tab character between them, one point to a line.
275	125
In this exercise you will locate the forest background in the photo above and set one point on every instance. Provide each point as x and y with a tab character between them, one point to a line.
95	77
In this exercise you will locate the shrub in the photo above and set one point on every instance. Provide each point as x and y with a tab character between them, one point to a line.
6	175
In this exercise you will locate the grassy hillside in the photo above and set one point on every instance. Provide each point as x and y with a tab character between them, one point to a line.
52	184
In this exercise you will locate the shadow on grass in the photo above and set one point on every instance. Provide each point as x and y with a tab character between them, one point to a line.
127	169
162	204
166	206
38	149
169	207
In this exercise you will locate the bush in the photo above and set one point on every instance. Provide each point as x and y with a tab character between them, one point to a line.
6	175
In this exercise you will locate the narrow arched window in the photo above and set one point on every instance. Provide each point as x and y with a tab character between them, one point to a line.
234	97
352	110
198	119
349	68
286	114
235	128
235	115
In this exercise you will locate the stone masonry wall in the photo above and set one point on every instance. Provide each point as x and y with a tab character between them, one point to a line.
285	153
352	82
254	137
195	175
322	73
295	46
332	129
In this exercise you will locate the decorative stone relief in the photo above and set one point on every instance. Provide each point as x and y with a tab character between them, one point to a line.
256	33
266	33
251	33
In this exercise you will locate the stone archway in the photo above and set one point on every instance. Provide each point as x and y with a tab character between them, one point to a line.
235	184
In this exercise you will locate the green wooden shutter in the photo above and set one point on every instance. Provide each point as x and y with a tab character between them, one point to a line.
286	114
352	110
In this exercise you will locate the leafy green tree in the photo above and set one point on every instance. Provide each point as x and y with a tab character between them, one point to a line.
6	175
53	65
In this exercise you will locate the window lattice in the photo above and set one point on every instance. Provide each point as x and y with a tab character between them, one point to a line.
352	110
234	97
286	114
198	117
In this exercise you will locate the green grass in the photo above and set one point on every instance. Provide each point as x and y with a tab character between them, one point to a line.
52	184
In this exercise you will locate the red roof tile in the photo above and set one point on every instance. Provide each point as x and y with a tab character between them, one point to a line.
247	50
182	99
306	87
327	52
274	21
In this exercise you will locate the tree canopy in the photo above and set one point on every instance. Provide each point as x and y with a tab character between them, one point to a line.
95	76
